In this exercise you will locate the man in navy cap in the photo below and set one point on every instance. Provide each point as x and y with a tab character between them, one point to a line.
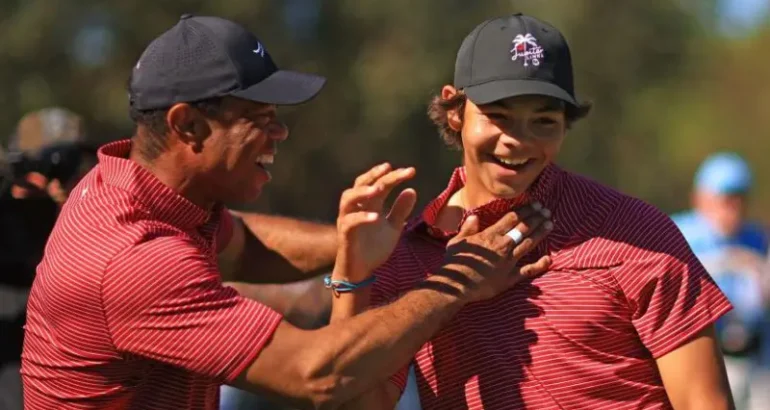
128	308
734	251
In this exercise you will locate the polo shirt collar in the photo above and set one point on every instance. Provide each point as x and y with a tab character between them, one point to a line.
540	191
163	202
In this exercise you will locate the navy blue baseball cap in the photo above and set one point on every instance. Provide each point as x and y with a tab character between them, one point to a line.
204	57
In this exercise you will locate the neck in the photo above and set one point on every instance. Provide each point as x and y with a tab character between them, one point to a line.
473	196
170	169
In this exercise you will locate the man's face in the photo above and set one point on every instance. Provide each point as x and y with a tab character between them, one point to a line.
242	141
724	211
508	143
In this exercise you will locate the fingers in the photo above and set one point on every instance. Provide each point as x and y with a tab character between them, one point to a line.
352	198
402	208
387	182
372	188
527	226
351	221
507	222
533	270
470	227
372	175
530	242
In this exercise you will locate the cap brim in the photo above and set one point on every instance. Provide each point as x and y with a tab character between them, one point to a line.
284	88
498	90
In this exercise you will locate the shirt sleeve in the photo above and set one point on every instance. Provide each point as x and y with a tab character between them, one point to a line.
224	229
670	294
164	300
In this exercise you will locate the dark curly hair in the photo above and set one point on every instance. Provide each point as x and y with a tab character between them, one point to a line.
438	108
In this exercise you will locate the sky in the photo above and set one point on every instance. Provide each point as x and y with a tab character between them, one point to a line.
739	16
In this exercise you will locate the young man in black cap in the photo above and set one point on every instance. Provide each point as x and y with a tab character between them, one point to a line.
128	309
624	316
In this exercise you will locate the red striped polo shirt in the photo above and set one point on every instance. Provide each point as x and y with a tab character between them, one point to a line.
128	308
624	289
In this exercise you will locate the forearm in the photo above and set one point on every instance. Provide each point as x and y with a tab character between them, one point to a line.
305	304
283	250
345	306
363	351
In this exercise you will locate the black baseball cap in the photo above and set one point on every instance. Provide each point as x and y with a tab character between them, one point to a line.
512	56
204	57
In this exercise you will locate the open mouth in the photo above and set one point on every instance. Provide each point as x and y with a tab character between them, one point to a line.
514	164
265	160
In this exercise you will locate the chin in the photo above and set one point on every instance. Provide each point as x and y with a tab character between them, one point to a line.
508	191
252	196
246	196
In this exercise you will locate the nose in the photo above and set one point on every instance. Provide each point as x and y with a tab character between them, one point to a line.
514	136
278	131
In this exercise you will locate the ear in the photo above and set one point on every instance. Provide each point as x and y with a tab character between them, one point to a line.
453	116
187	124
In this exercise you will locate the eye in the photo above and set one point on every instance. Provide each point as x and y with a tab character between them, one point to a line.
545	121
261	120
496	116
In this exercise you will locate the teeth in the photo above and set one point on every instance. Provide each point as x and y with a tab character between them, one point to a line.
513	162
266	159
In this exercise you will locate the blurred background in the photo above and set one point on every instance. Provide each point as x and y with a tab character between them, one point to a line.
672	82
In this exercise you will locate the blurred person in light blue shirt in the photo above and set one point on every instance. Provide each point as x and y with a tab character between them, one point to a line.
734	250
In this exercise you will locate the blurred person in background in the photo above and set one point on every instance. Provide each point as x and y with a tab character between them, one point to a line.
622	319
734	250
47	155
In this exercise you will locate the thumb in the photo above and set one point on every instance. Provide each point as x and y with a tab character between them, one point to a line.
535	269
402	207
469	228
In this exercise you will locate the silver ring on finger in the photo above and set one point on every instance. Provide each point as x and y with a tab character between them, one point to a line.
516	235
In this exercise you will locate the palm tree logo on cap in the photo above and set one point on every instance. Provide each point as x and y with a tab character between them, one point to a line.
525	47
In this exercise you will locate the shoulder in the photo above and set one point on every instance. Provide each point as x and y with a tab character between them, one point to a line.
160	249
756	235
159	268
627	228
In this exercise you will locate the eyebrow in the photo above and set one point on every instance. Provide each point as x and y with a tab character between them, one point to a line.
551	106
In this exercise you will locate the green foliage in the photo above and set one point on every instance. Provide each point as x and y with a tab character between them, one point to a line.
667	90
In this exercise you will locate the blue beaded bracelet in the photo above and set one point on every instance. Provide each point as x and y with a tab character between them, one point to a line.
343	286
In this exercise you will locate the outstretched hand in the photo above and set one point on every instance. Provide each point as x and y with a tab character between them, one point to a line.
367	232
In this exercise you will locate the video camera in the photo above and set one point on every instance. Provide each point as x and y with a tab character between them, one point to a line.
56	161
25	223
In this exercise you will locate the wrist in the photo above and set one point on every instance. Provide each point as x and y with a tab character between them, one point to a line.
339	286
344	269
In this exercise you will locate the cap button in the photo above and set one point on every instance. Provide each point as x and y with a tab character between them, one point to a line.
185	16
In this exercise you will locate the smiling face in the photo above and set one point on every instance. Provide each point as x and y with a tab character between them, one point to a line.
213	152
507	144
243	140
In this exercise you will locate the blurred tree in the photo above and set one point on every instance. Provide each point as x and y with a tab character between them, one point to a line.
667	87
